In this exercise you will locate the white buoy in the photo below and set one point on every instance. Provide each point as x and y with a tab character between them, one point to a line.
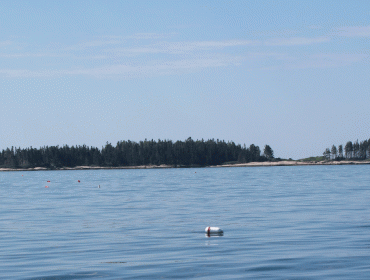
213	230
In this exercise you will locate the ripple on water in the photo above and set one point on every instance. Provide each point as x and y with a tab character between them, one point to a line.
307	222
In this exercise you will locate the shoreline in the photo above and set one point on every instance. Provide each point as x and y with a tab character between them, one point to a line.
249	164
294	163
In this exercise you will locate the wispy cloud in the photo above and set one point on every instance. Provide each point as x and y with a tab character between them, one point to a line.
353	31
147	54
186	47
313	61
94	44
146	36
5	43
205	45
158	67
103	41
29	54
295	41
25	73
276	61
154	68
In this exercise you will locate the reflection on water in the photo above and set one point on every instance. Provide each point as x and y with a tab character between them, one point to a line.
214	234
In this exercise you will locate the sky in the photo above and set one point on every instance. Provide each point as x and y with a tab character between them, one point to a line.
290	74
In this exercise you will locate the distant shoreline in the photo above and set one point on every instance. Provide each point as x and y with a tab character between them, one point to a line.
294	163
249	164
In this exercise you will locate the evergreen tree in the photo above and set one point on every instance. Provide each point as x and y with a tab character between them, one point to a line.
356	149
340	151
362	150
255	152
268	152
127	153
327	153
333	152
348	149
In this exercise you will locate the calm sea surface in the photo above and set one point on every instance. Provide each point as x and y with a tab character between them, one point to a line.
308	222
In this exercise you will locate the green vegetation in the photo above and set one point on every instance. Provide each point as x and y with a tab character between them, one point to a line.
316	159
352	151
127	153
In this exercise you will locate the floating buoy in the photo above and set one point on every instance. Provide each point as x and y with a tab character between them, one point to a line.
46	186
48	181
213	230
78	181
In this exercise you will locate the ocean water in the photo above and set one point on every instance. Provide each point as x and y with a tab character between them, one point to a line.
297	222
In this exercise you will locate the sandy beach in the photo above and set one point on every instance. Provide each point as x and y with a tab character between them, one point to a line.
249	164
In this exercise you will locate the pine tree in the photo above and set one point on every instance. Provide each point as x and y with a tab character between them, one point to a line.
327	153
348	149
268	152
334	152
356	149
340	151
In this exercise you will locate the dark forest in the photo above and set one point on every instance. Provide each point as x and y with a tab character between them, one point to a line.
186	153
356	150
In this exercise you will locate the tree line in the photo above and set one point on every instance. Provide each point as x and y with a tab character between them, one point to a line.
351	150
130	153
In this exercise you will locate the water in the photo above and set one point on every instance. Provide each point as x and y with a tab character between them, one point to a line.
308	222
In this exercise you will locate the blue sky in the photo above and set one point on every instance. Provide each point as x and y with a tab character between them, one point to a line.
291	74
